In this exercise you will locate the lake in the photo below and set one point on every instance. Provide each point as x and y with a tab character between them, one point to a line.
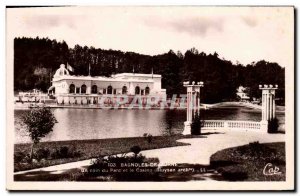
80	124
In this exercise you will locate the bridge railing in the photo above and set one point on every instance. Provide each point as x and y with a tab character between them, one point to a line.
230	125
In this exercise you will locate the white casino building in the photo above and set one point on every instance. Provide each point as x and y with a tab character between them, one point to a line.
66	85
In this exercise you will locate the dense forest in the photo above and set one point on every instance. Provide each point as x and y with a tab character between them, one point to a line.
36	60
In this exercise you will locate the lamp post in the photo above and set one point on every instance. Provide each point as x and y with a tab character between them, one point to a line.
268	104
193	104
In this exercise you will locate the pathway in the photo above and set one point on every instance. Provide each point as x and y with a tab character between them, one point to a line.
198	152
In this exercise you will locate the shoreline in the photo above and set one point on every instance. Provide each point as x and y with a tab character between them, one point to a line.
248	106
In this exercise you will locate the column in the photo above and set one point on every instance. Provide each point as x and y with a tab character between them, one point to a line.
194	104
267	106
264	122
190	106
187	123
198	99
262	107
187	106
273	105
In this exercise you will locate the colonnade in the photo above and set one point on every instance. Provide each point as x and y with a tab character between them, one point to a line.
193	104
268	110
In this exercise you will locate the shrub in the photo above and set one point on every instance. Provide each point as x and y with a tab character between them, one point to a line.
148	137
41	154
273	125
102	166
136	150
254	151
65	152
196	125
18	157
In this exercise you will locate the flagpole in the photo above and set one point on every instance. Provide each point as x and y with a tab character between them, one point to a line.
152	72
89	69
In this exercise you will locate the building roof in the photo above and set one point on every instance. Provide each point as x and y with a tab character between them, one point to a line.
136	75
99	78
63	74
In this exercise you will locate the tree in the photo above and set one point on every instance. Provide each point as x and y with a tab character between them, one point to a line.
36	59
39	122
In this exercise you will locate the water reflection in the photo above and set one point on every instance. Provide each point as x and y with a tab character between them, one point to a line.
76	124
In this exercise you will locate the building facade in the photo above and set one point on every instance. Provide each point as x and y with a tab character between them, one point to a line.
242	94
119	84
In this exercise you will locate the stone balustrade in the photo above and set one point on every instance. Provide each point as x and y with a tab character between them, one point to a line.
231	125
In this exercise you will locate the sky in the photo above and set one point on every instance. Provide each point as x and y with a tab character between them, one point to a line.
243	34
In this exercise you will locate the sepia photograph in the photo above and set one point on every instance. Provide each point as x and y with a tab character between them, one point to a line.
150	98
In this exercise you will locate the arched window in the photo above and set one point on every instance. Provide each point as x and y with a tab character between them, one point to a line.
124	90
72	88
94	89
83	89
137	90
147	90
109	89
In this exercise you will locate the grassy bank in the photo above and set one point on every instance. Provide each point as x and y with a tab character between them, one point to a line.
60	152
252	162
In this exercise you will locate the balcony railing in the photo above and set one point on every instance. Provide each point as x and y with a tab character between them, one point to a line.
231	125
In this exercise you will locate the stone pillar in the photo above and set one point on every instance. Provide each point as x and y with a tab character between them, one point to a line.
268	105
273	105
88	89
263	106
131	89
193	104
198	98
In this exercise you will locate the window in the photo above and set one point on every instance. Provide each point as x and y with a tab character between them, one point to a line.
94	89
77	90
109	89
83	89
104	91
137	90
147	90
124	90
115	91
72	88
142	92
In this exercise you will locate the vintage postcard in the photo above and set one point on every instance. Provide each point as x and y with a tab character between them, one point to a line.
150	98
